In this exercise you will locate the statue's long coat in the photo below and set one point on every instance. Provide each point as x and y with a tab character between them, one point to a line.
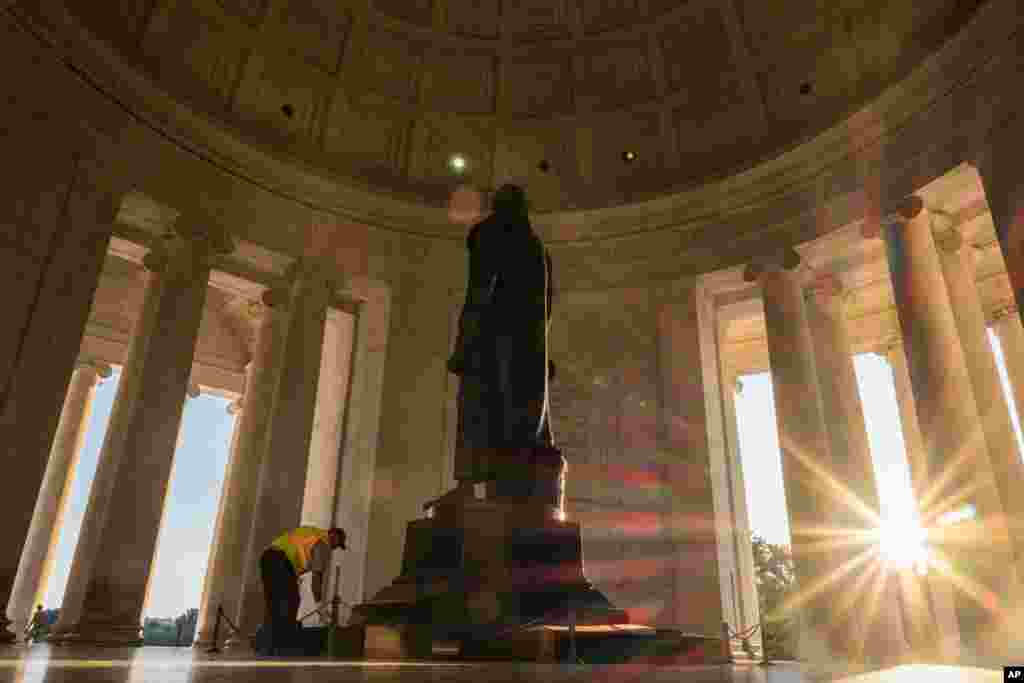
501	342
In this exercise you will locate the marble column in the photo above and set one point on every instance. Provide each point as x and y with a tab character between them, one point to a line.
999	166
742	535
38	556
282	479
956	468
825	639
691	433
957	258
117	586
207	613
929	615
51	255
228	558
855	503
110	454
1007	326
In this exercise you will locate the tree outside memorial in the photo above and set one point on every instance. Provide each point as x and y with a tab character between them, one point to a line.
776	582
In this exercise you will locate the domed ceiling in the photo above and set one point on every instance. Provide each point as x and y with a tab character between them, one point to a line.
590	103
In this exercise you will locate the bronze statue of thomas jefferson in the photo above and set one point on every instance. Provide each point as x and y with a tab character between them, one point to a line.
500	352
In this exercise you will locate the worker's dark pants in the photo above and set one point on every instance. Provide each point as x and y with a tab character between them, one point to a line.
281	591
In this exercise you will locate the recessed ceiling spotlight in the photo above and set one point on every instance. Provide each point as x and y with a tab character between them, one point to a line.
629	156
288	110
806	88
457	163
544	166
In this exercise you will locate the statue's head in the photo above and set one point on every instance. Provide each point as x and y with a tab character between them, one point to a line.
510	200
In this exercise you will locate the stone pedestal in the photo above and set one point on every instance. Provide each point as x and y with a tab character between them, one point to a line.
490	577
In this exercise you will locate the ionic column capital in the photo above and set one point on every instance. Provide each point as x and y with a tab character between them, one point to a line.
1004	312
102	369
827	290
948	237
907	209
274	298
788	260
193	390
236	406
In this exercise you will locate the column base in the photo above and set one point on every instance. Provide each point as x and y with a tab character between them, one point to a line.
7	636
104	635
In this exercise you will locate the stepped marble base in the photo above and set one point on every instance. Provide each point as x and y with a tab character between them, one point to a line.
497	576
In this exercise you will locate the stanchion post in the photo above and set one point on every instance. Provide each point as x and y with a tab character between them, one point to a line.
573	659
214	648
726	642
332	630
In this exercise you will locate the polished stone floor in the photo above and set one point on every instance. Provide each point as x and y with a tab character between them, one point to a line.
42	663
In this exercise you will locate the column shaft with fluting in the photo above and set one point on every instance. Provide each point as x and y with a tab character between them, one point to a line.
929	615
51	256
38	555
955	470
282	479
117	586
804	442
957	258
89	534
228	558
742	536
1008	328
854	509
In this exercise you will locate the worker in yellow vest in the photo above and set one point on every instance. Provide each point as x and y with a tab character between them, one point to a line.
292	554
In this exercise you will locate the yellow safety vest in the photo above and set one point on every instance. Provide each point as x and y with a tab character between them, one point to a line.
298	544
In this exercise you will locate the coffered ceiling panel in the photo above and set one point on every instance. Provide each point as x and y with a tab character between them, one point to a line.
317	30
533	20
461	81
249	11
474	18
604	15
377	88
614	75
390	64
419	12
539	85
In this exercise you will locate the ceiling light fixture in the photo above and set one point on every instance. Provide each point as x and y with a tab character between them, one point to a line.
457	163
629	156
